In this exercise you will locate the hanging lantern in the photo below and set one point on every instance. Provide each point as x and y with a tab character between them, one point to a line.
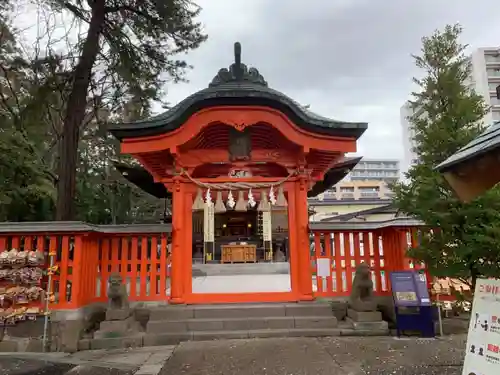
198	201
230	200
251	199
208	198
264	204
272	197
241	205
281	201
219	204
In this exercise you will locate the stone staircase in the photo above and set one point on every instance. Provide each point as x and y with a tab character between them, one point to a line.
172	324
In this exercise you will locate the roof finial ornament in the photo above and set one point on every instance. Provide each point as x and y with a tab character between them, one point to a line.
237	53
238	72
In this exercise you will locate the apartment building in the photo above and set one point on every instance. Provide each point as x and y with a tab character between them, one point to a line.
384	170
484	79
409	157
348	197
358	190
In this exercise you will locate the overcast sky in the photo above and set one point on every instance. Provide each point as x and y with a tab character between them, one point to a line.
348	59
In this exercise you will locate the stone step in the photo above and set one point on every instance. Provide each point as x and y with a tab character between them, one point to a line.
240	311
280	268
241	323
174	338
177	337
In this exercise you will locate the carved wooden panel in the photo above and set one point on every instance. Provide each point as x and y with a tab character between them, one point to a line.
240	144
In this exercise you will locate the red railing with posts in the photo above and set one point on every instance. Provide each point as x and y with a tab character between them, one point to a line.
344	245
85	255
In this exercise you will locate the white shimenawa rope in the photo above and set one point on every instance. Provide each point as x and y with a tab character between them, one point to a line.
238	185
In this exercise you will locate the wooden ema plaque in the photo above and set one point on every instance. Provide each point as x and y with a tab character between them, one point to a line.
239	253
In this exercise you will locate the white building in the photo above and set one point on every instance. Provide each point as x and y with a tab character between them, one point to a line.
385	170
410	157
484	79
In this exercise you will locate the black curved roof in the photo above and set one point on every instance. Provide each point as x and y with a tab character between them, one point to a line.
237	86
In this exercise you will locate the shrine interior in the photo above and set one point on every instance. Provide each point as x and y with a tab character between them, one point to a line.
239	239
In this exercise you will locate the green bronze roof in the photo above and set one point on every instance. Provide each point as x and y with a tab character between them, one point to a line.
237	86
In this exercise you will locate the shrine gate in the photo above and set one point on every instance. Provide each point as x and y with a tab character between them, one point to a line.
239	146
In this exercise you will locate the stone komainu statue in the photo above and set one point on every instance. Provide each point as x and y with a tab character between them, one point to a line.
362	298
117	292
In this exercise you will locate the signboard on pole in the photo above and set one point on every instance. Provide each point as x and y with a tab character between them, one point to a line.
412	303
482	356
409	289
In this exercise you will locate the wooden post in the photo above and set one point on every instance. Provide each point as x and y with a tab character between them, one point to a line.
293	250
187	244
178	237
303	246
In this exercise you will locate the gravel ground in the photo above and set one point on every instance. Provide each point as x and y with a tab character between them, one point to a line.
17	366
329	356
29	366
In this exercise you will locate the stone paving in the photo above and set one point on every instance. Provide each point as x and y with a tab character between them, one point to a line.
328	356
281	356
140	361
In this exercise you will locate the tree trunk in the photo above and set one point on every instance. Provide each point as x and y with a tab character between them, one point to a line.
75	114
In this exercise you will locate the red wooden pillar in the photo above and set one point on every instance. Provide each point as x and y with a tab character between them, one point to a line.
187	245
178	237
293	249
302	229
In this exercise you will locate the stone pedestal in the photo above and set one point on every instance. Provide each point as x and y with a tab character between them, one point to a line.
118	323
118	314
367	321
364	316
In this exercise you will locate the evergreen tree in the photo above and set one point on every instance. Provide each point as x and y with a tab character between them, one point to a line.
133	44
26	185
464	240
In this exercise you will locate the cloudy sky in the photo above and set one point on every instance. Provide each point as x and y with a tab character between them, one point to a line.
347	59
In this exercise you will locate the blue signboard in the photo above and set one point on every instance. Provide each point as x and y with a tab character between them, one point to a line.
409	289
412	303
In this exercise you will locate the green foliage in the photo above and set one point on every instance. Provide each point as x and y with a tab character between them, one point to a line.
465	241
26	190
132	48
34	89
26	185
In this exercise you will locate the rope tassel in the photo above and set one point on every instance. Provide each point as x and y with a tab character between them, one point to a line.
219	204
241	204
281	200
198	203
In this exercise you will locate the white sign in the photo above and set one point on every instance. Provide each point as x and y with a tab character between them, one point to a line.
239	173
482	355
323	265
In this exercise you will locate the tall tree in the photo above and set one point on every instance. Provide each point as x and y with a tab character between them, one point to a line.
134	44
465	238
26	185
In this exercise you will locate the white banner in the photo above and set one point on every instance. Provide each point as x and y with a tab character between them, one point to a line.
208	223
267	230
482	355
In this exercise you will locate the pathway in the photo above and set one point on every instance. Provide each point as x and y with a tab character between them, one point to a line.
325	356
282	356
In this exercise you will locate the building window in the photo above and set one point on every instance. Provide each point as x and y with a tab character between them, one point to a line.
347	189
498	91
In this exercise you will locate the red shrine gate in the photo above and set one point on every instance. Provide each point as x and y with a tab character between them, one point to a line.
237	124
240	124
